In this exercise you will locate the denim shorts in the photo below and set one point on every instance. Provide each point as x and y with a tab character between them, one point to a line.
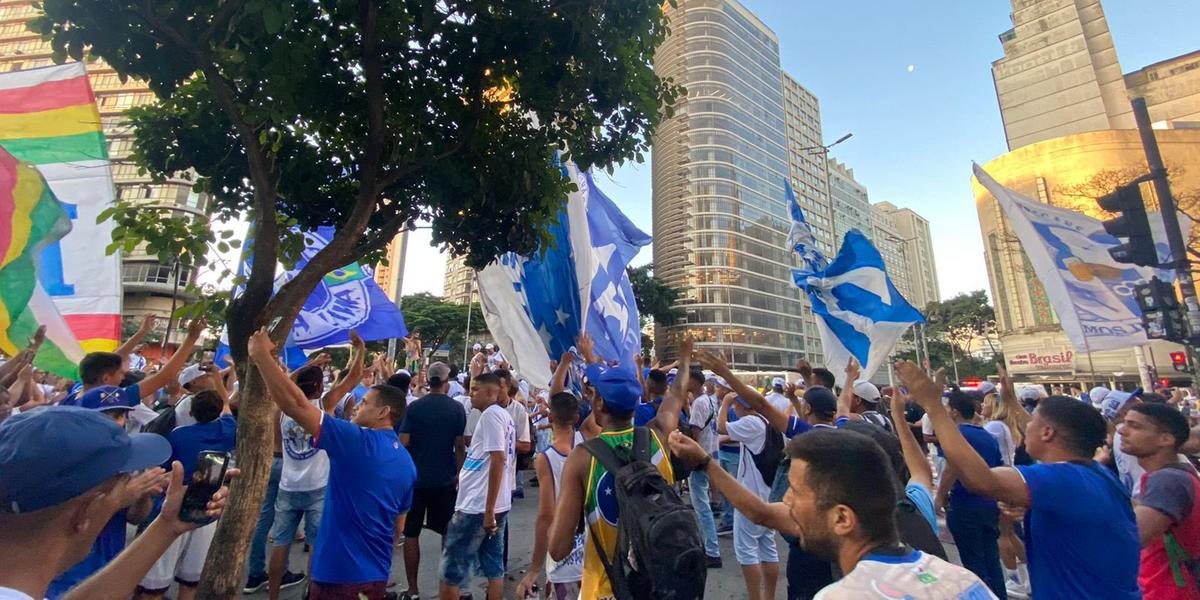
289	507
467	545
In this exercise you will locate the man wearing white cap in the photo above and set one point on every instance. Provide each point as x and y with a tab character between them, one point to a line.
1097	394
865	403
776	397
194	380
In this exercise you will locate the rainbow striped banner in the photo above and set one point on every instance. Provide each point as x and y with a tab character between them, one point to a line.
31	220
48	117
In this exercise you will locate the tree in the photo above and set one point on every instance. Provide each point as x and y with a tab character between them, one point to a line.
365	116
940	358
655	301
962	320
441	322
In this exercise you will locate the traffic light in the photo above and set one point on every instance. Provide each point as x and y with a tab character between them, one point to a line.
1179	360
1131	225
1162	315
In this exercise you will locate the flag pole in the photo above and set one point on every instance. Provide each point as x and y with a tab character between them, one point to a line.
470	304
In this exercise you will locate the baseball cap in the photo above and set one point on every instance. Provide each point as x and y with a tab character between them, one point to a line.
821	400
477	347
55	453
1097	394
1031	393
867	391
721	382
190	374
617	386
105	398
778	382
1115	400
439	373
986	388
490	347
742	402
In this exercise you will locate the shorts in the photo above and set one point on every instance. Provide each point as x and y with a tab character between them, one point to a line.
466	545
753	544
562	591
182	562
375	590
431	509
289	507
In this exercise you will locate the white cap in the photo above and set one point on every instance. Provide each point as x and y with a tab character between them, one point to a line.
190	374
1097	394
721	382
1032	393
490	346
477	347
778	382
866	390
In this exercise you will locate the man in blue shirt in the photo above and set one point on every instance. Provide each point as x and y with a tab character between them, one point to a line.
371	478
1081	535
215	430
973	520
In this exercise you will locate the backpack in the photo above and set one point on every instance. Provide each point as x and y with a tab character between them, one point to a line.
660	554
163	424
915	531
767	461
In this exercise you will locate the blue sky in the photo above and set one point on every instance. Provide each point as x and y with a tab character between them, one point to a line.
915	133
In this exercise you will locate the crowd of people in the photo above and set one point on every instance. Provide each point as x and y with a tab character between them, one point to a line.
638	472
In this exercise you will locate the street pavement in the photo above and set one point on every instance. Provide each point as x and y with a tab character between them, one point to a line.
722	583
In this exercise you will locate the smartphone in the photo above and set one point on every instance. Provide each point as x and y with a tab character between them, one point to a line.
206	480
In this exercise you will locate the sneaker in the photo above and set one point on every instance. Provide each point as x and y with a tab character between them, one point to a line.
255	584
291	579
712	562
723	530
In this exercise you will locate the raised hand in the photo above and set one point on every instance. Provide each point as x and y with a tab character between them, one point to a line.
152	481
147	325
853	370
711	361
260	345
585	345
195	328
686	449
921	388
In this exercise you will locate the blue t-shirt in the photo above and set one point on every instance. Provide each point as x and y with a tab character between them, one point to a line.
189	441
646	411
107	546
433	423
1080	533
371	478
923	500
796	426
985	446
733	448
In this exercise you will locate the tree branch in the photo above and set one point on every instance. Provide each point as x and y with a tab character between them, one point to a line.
223	15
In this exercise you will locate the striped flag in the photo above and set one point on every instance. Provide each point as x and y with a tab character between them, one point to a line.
31	219
48	117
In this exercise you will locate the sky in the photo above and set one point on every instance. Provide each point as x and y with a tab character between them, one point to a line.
916	131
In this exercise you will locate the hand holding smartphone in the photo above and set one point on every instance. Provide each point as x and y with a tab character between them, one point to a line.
207	478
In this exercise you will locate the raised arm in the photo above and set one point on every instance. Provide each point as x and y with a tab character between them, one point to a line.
150	385
1001	483
774	515
723	413
846	398
559	381
667	419
146	327
351	375
806	372
918	465
283	391
219	388
717	365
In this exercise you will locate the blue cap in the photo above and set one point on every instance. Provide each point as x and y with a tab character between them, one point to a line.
105	398
53	454
617	386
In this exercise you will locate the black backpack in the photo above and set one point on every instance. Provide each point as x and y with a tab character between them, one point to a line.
163	424
915	530
660	554
767	462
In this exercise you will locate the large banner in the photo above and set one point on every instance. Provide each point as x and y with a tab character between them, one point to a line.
48	117
1092	293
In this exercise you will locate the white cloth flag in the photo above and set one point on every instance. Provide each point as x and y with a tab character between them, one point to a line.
1092	293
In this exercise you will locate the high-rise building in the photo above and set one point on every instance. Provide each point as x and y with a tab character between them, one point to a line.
851	207
149	286
1060	75
892	248
719	166
459	286
390	275
913	230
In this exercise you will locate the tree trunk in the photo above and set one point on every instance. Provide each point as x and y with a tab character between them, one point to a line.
224	568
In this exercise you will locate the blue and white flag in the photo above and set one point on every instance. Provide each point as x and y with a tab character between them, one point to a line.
800	237
345	299
859	311
535	307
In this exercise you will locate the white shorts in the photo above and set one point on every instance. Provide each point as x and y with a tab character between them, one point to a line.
183	561
753	544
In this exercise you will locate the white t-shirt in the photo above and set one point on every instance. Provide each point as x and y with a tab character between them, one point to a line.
11	594
704	416
780	402
494	432
305	468
456	389
1003	435
183	412
751	431
914	575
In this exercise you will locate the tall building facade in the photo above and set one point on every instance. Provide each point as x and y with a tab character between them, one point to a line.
719	166
1171	89
459	286
1060	73
887	239
390	275
149	286
913	230
850	203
